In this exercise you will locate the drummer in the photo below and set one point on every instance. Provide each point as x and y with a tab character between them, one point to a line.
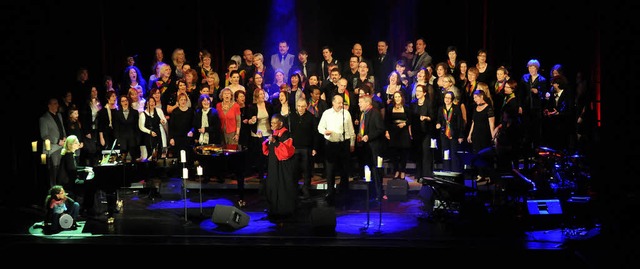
57	203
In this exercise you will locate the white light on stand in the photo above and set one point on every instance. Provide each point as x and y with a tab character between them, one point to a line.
199	170
183	156
47	144
367	174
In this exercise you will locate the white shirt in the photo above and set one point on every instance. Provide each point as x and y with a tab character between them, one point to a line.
558	96
336	122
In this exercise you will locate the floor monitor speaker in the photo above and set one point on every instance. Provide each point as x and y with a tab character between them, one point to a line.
229	217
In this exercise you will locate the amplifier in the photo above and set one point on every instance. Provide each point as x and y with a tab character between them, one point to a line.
171	189
397	190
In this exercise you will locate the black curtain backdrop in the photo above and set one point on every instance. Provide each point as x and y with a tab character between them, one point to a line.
47	42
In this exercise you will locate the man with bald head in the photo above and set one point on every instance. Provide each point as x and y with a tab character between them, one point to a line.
357	51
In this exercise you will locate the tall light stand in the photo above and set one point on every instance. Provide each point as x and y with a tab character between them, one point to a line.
43	158
34	150
185	176
199	172
379	172
367	179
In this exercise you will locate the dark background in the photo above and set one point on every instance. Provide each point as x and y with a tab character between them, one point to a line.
45	43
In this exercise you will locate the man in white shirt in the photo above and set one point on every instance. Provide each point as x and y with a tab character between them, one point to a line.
337	127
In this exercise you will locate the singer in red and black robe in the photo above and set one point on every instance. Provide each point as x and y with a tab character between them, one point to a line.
281	189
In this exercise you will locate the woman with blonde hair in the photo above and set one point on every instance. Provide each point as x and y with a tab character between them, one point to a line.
229	112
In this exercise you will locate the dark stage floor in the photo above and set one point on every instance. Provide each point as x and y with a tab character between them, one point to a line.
486	223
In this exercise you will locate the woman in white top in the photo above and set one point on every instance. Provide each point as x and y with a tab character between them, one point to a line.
150	124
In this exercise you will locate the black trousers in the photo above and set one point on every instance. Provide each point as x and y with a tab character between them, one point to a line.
368	156
303	166
337	159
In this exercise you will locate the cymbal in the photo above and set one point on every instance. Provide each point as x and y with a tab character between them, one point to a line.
546	149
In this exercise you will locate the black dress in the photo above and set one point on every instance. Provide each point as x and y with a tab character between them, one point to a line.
281	189
400	137
180	124
481	137
482	142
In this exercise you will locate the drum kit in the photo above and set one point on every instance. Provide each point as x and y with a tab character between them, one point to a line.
561	171
65	221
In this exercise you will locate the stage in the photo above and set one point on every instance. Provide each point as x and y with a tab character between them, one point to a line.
481	222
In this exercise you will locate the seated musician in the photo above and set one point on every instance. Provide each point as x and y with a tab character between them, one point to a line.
56	204
76	178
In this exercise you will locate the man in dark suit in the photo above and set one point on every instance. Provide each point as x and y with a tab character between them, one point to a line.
324	68
383	65
356	50
282	60
370	136
421	59
559	115
52	129
303	65
329	87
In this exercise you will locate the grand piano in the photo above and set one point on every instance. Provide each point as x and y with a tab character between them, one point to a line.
218	160
112	175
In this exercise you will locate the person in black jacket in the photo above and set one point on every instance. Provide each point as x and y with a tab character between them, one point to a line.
76	178
451	127
302	125
370	138
206	124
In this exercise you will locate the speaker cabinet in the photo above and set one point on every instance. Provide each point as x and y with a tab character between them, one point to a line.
171	189
323	219
229	217
397	190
